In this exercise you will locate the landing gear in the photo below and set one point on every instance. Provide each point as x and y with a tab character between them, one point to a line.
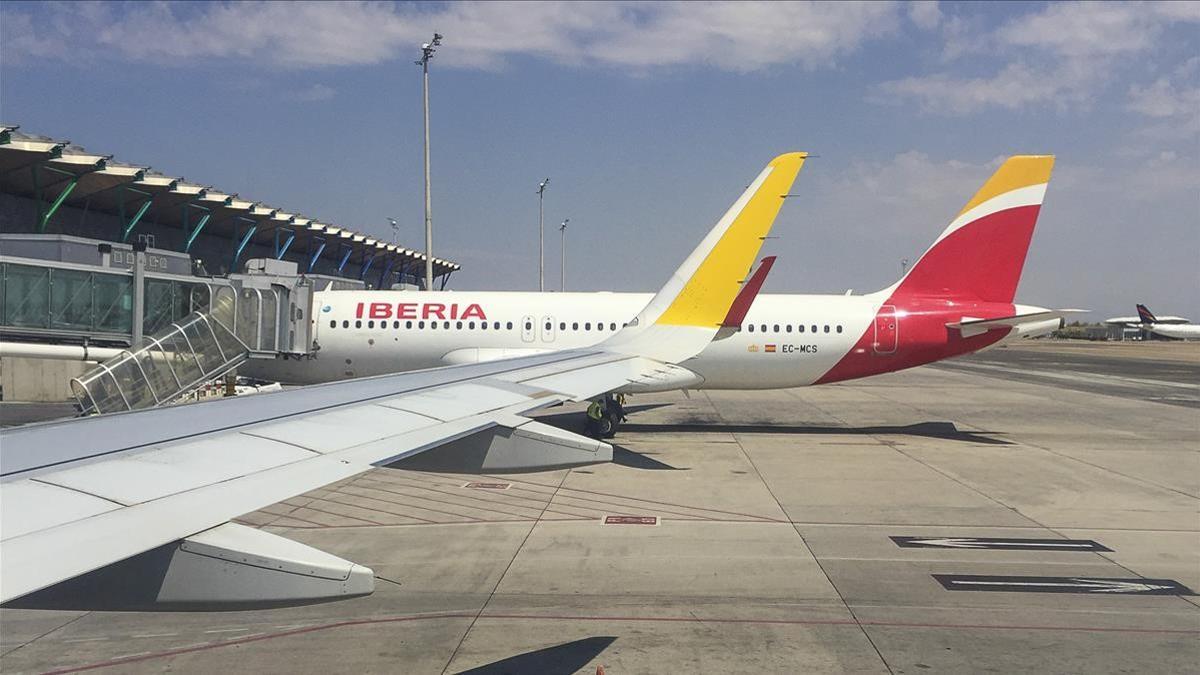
604	416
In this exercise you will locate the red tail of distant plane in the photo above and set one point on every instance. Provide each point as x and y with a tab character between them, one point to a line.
1146	315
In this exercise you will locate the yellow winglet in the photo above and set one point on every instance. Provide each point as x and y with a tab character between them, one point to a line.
682	318
712	286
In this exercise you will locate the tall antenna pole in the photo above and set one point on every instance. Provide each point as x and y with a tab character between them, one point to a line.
563	229
427	51
541	239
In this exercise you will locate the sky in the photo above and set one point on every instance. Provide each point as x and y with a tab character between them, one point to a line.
650	119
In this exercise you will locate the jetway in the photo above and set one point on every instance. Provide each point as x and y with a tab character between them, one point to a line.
258	315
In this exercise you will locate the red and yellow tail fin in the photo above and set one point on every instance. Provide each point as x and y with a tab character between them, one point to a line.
981	254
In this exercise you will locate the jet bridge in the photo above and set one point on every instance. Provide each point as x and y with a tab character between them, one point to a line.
259	315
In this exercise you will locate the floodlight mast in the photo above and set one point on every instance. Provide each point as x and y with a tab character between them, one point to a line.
541	239
427	51
563	229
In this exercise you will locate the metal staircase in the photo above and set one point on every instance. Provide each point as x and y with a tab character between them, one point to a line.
161	368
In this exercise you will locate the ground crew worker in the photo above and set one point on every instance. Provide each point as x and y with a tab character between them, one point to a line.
595	413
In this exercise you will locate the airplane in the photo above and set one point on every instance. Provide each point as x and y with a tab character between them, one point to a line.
1172	327
958	298
134	510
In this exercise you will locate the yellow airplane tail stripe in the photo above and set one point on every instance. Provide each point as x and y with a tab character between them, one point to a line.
715	270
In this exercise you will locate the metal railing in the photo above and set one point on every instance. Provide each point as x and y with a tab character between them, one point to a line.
161	368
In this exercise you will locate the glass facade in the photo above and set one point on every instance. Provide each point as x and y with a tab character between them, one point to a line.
64	299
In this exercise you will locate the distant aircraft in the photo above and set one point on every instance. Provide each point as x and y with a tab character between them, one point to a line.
1168	326
957	298
133	510
1173	329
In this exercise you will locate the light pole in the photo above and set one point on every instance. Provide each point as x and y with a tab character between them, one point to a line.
563	229
541	239
427	50
395	229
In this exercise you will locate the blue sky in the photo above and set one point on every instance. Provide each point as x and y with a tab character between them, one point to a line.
650	119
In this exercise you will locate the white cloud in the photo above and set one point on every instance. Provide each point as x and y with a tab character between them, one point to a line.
1165	99
1062	56
925	13
735	36
313	94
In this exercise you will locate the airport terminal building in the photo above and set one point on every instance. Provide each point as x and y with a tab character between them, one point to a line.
99	255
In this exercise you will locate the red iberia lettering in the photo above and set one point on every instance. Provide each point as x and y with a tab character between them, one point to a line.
381	310
406	310
474	311
434	310
358	311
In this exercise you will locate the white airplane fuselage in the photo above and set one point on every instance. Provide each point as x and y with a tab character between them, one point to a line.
785	340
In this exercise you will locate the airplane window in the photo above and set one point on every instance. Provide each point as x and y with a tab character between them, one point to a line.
800	328
446	325
471	325
814	328
776	328
333	324
839	328
458	325
421	325
408	324
575	326
789	327
345	324
612	326
528	325
562	325
751	327
483	325
509	325
826	328
370	324
395	324
763	327
358	324
433	325
599	326
549	325
587	326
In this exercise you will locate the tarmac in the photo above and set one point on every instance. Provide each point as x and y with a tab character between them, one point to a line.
777	531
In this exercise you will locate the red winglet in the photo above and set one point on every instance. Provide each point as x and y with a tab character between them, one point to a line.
745	297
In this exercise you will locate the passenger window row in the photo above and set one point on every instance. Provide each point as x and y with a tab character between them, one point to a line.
472	325
799	328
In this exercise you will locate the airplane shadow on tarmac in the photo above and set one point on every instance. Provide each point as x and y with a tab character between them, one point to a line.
562	659
943	430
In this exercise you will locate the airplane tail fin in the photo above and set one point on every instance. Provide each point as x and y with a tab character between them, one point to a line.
1146	315
682	318
981	254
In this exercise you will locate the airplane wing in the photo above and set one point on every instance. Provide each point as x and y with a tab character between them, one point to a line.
137	505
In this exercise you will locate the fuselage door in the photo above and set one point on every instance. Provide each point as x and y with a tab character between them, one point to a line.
547	329
528	329
887	330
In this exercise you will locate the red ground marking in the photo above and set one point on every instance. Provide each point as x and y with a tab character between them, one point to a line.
630	520
661	619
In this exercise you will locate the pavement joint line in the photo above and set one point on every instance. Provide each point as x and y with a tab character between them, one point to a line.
648	501
367	521
55	629
203	646
465	506
403	515
1056	531
500	578
816	560
1073	375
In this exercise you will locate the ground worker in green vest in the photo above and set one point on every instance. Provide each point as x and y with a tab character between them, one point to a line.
595	413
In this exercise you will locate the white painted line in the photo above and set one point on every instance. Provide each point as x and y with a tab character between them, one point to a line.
227	630
95	639
154	635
